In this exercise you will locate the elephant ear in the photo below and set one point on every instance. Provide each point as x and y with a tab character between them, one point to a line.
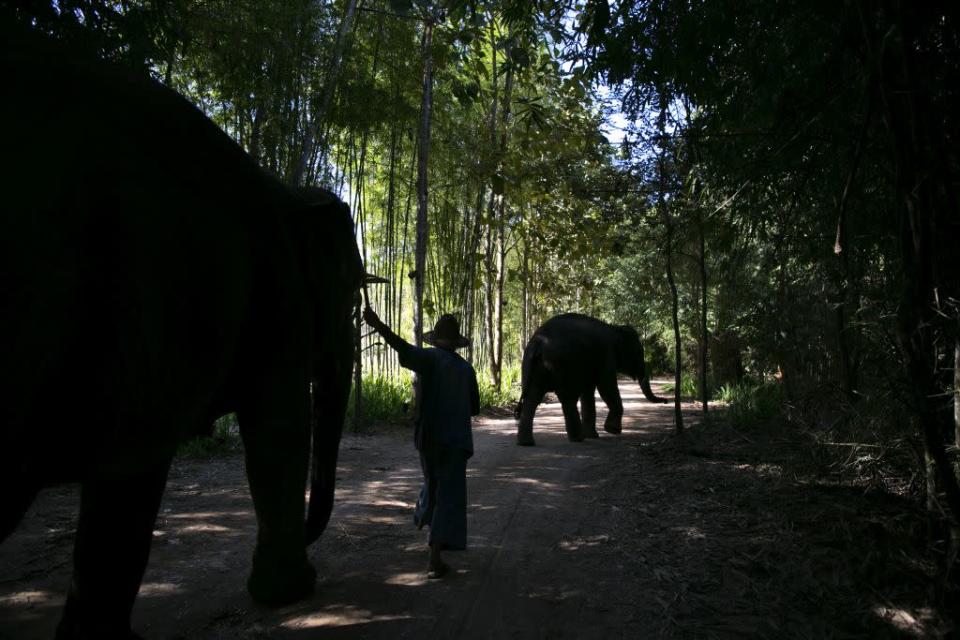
633	349
331	260
629	351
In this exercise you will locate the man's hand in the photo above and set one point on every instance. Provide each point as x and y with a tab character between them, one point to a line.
371	318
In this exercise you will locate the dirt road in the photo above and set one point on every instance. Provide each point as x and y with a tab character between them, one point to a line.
623	537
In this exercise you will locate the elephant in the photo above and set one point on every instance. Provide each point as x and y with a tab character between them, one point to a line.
573	354
153	278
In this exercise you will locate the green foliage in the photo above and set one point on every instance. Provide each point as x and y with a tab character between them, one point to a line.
751	404
688	386
658	357
384	399
508	394
390	399
224	439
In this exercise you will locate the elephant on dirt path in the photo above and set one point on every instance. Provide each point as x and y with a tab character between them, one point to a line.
153	278
573	355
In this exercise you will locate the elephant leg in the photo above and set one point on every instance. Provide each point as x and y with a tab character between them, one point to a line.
588	410
276	443
16	498
117	515
610	392
571	417
528	408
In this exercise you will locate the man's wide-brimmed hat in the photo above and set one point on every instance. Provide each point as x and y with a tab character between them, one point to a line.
446	333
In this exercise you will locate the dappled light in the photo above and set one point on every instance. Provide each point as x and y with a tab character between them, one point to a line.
156	589
624	529
339	617
28	599
910	622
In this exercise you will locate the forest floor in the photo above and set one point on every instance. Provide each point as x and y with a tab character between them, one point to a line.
724	533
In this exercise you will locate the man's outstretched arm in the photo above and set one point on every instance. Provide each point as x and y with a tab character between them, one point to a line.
410	356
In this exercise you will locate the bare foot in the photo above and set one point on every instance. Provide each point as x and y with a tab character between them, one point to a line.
435	572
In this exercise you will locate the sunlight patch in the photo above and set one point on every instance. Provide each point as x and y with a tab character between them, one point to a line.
580	543
29	598
692	533
205	527
915	623
205	514
483	507
407	579
392	503
149	589
529	481
345	617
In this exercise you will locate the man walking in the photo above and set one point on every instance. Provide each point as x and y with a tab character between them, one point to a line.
443	436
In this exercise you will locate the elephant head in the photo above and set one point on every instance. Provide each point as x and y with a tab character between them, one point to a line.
336	276
631	360
320	232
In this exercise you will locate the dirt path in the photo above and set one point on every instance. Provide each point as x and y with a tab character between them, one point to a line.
623	537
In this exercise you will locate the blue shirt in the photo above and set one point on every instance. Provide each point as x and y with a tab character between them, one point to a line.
449	397
449	394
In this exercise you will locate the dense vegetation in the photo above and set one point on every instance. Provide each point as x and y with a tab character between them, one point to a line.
775	208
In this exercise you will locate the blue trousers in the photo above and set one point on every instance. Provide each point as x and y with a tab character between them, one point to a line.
443	497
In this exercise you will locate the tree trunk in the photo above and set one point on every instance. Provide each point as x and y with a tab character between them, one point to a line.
848	365
497	362
423	155
256	133
359	210
668	224
404	274
390	249
492	209
525	322
956	403
330	82
927	215
677	413
468	293
488	302
704	337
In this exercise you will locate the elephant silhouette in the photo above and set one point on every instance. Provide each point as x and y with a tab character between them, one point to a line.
573	355
153	278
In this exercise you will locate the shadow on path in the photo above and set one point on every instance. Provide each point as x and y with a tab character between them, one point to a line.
629	536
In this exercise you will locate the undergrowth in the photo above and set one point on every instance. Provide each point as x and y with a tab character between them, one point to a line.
751	403
688	386
382	399
509	388
224	438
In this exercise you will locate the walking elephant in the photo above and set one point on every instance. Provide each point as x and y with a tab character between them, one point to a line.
573	355
153	278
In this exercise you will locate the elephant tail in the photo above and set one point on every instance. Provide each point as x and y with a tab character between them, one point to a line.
648	392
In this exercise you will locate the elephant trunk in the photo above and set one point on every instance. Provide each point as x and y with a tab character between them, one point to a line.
645	382
648	392
330	398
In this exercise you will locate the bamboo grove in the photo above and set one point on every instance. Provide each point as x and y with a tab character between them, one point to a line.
503	116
